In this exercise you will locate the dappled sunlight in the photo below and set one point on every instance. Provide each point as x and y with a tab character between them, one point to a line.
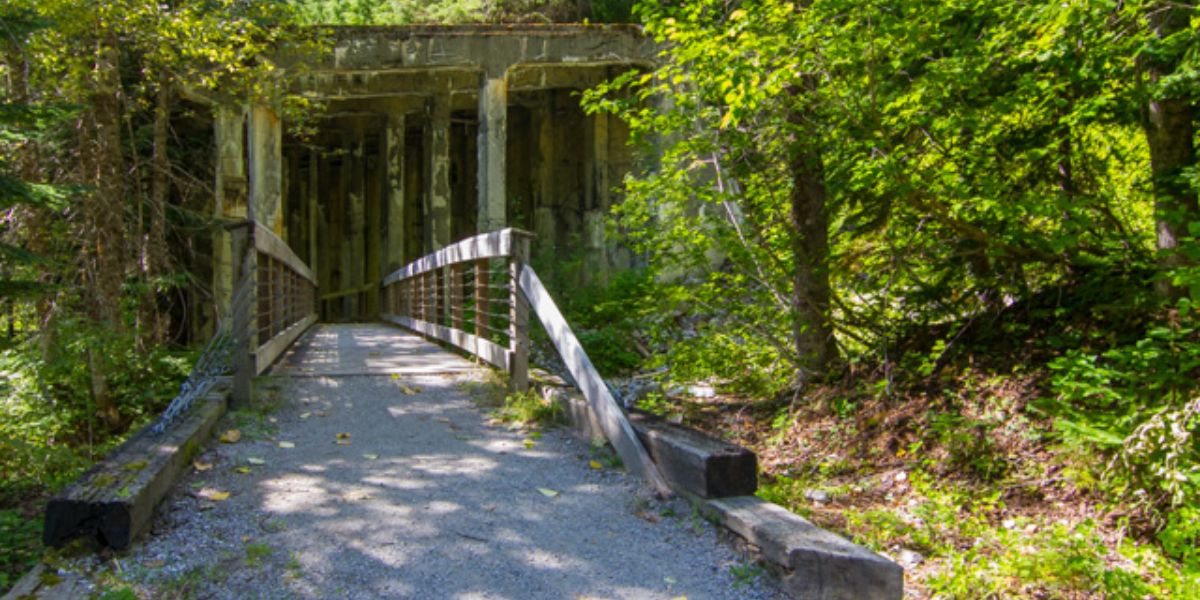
383	493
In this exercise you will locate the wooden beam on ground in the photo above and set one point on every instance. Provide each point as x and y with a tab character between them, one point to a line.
113	501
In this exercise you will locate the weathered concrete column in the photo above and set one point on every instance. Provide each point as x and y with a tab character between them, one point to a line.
229	201
357	197
493	142
395	192
266	169
437	181
597	202
314	214
544	202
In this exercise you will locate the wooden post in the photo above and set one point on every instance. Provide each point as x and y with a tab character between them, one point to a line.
456	296
481	298
439	290
518	322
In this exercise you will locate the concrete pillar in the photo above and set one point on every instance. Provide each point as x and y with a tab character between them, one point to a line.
266	169
437	182
394	165
314	215
596	258
545	225
229	129
358	221
493	143
374	227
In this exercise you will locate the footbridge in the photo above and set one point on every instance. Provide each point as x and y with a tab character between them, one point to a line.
367	279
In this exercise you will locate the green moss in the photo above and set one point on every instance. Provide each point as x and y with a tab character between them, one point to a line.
103	480
136	465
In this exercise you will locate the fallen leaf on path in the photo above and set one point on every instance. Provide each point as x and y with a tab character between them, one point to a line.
343	436
395	376
549	493
212	494
230	437
369	456
670	580
342	439
254	460
595	465
201	466
242	470
245	539
356	495
305	415
273	419
409	391
529	444
321	413
286	445
342	442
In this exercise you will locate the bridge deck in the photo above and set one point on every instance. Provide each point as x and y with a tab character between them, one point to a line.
424	497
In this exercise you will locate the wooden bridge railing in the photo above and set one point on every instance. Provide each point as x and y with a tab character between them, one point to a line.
476	295
466	295
275	302
286	290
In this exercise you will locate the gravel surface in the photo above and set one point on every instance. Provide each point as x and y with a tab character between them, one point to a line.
424	497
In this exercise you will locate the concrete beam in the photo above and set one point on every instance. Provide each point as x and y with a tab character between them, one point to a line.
495	48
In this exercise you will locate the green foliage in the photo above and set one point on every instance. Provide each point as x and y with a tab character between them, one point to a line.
48	421
20	545
442	12
529	408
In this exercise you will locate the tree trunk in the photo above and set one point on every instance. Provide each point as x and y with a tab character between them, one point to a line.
155	260
811	326
103	218
1169	127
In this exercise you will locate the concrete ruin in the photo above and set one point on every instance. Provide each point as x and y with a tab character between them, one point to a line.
429	135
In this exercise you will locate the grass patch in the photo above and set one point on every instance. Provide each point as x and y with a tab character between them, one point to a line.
530	409
256	554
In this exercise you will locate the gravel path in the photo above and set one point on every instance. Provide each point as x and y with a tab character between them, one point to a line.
422	497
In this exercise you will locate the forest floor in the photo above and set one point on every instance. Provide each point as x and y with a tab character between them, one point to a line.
958	481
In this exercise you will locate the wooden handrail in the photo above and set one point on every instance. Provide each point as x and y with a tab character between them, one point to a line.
429	296
266	242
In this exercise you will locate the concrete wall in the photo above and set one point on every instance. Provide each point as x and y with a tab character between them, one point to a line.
430	135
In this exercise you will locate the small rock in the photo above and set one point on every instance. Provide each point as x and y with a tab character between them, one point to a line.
901	476
909	558
818	496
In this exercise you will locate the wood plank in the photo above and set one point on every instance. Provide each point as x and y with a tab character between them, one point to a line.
616	426
695	462
114	500
491	352
497	244
267	242
266	353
